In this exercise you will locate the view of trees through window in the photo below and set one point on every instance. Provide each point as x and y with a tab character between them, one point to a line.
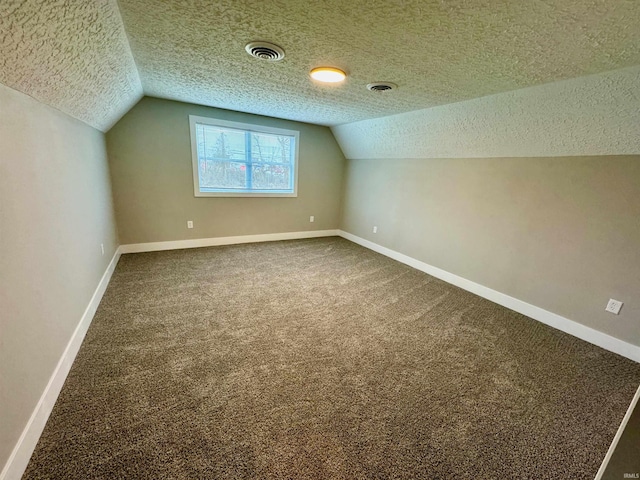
233	159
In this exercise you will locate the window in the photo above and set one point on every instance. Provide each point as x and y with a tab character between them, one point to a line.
233	159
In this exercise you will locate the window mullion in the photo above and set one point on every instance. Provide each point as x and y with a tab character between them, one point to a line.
247	137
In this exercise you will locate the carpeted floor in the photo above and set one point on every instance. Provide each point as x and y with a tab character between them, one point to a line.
319	359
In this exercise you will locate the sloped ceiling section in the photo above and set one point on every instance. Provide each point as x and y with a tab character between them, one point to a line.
72	55
437	51
592	115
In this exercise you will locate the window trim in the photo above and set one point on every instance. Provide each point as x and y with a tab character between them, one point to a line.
250	127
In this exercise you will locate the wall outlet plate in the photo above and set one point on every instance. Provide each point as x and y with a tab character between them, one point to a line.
190	224
614	306
312	219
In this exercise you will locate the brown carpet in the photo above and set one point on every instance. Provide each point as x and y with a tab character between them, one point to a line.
319	359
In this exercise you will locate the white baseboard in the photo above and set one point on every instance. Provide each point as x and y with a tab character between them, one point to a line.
549	318
19	458
216	241
616	439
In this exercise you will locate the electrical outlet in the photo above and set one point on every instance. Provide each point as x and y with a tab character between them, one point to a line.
190	224
312	219
102	248
375	229
614	306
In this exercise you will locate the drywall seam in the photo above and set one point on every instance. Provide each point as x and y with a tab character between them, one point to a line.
216	241
19	458
592	115
554	320
118	12
619	433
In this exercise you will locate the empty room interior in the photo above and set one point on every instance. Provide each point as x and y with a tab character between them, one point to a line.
290	239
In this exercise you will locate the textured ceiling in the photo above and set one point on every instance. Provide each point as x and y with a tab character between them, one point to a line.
596	114
72	55
437	51
76	56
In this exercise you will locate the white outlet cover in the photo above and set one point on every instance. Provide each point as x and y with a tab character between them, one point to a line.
189	224
614	306
375	229
312	219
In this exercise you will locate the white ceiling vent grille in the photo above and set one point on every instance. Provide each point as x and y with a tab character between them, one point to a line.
381	86
265	51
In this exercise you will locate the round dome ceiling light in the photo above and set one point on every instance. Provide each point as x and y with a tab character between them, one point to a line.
381	86
328	74
265	51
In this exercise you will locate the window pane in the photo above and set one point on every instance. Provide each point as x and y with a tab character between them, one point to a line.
223	175
217	143
216	146
271	176
268	148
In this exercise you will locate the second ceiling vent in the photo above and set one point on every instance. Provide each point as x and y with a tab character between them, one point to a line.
265	51
381	86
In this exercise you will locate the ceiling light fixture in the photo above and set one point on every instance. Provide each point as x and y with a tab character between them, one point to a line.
328	74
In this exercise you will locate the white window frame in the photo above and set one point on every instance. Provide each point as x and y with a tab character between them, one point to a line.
249	127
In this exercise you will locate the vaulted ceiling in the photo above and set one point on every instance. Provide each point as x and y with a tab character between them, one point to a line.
94	59
72	55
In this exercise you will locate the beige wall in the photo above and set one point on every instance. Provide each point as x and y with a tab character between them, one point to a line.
55	211
150	159
560	233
